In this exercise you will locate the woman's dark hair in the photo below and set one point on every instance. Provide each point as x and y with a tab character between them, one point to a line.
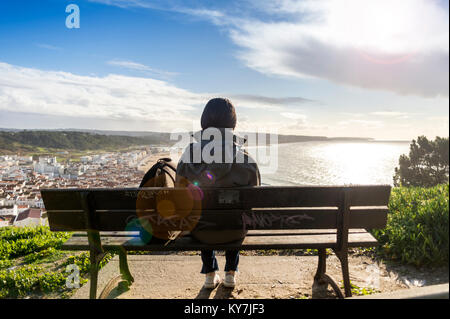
220	113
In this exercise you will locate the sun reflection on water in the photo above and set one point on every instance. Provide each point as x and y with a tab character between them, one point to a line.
332	163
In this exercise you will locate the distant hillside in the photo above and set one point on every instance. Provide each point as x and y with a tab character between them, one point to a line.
305	138
165	137
64	140
12	140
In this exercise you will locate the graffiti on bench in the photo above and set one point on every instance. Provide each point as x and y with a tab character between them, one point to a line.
267	220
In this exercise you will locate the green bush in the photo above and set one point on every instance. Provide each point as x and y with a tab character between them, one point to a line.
83	262
417	230
24	280
18	282
17	242
15	233
37	245
52	281
5	263
43	256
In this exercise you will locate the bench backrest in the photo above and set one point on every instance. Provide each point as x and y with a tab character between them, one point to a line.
312	207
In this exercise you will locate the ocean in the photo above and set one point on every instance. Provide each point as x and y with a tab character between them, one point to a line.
335	163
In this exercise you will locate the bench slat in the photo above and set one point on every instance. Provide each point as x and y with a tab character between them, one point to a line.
365	217
216	198
260	240
299	232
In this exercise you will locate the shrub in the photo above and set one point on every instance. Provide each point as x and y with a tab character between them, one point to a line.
417	230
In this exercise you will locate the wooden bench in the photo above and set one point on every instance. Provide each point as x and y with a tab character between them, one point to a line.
334	217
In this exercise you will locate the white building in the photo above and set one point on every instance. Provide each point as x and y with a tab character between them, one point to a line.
9	210
12	210
48	166
29	217
85	159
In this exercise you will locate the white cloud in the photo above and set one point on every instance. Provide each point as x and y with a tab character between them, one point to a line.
389	113
361	123
48	47
164	5
400	46
439	122
294	116
393	114
252	101
129	65
125	3
296	123
438	118
110	97
291	100
140	67
116	98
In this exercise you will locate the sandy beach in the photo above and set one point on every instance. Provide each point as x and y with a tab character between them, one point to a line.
150	160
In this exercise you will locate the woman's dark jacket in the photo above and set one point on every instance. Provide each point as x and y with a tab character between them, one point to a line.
235	169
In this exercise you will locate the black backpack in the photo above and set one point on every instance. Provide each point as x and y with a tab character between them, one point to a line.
162	174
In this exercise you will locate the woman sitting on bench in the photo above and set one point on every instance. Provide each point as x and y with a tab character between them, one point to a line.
235	169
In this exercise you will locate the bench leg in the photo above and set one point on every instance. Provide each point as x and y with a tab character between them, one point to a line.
123	264
343	257
321	277
322	267
93	275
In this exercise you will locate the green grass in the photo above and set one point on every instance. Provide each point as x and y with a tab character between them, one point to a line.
361	291
31	263
83	263
44	256
417	230
6	263
18	242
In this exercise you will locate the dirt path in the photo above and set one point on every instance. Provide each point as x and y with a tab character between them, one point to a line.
177	276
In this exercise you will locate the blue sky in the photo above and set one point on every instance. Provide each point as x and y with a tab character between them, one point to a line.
331	67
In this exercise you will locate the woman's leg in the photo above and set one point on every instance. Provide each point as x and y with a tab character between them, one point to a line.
209	261
231	266
232	260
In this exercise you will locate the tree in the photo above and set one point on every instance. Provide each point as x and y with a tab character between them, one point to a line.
426	165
